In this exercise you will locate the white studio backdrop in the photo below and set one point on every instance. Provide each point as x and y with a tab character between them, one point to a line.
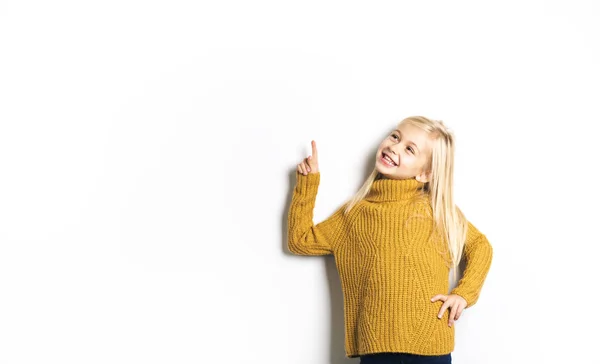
148	154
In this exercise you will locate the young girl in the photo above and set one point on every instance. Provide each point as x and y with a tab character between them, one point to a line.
394	244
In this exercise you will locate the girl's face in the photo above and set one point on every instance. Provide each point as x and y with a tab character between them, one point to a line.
409	148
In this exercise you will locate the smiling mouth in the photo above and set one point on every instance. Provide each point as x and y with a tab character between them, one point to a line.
387	160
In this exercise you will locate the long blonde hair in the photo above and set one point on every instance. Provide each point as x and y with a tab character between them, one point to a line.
449	222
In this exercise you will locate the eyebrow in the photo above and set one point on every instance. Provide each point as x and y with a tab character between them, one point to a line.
410	142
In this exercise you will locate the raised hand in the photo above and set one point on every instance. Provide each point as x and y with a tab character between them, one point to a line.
310	164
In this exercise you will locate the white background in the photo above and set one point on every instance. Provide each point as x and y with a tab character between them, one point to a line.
148	153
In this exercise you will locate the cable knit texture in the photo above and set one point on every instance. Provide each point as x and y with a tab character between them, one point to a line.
390	265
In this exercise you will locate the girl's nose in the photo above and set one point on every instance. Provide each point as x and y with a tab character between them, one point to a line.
394	148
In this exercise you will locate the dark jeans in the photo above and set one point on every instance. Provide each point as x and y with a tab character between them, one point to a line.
404	358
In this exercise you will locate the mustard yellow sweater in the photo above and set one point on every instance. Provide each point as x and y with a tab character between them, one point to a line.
389	267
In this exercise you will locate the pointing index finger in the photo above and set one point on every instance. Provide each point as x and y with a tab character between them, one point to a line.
314	149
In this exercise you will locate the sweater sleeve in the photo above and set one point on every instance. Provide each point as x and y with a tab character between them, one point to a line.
478	253
304	237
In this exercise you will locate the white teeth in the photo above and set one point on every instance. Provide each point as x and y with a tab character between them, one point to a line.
389	159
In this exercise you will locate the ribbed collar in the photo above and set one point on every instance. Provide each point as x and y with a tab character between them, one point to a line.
387	189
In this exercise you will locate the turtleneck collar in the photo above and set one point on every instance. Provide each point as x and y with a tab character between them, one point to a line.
387	189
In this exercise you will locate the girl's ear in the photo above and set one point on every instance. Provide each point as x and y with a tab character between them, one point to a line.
423	177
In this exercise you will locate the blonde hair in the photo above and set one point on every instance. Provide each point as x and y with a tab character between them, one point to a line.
449	223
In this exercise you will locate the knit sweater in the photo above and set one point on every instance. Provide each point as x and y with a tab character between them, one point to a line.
390	265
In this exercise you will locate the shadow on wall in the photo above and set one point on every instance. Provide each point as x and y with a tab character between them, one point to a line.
336	327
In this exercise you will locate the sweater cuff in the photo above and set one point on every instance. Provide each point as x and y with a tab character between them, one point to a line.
309	184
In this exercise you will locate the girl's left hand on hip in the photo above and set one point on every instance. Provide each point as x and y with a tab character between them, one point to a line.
453	301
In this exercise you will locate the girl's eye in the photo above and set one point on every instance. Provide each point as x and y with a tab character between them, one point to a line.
409	148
